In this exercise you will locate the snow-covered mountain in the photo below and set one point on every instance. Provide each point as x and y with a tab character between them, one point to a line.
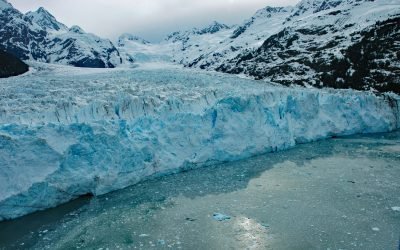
339	43
45	20
39	36
134	49
207	50
335	43
330	43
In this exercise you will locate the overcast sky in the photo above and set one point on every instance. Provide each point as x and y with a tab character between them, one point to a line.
150	19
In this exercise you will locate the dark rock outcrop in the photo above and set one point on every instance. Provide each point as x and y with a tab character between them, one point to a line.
11	65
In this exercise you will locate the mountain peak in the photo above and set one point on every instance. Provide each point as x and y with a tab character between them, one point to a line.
76	29
43	12
214	27
45	20
271	10
328	5
314	6
41	9
307	6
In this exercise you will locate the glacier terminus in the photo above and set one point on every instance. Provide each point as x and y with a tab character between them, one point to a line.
102	130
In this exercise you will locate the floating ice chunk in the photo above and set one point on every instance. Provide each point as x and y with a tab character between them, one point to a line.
376	229
221	217
396	209
265	225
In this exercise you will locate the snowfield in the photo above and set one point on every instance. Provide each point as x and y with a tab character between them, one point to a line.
67	132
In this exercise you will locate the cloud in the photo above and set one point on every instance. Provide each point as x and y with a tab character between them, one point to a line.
151	19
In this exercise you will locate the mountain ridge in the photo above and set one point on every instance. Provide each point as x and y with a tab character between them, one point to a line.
39	36
316	43
311	44
326	50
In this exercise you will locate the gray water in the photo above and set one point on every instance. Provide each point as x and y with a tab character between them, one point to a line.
342	193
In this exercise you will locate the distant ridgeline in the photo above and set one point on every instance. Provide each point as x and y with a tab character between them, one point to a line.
371	61
11	65
321	43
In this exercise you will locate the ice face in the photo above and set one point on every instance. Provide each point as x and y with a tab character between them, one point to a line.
330	194
102	130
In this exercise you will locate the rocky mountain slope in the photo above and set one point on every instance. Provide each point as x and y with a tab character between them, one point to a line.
346	44
340	44
39	36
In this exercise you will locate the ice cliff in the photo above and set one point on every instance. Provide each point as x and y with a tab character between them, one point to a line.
101	130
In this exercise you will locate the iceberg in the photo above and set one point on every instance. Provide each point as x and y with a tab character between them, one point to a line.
67	132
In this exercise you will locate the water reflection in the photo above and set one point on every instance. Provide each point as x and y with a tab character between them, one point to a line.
327	194
250	234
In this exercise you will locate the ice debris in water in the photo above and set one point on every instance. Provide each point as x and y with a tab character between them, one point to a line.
221	217
396	209
375	229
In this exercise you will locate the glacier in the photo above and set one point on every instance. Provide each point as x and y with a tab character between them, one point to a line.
67	132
